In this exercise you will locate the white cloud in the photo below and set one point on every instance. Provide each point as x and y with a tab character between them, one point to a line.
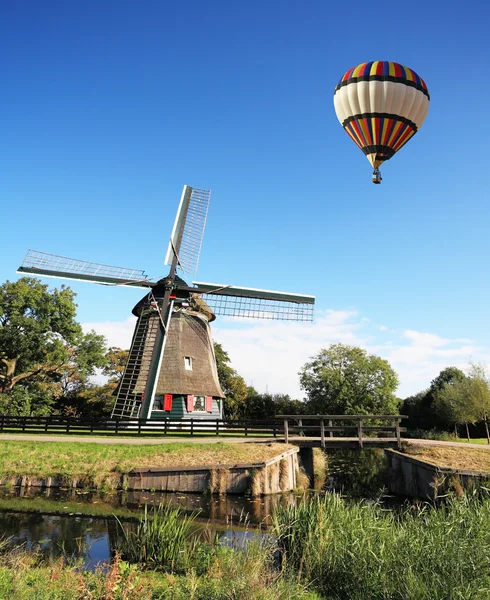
269	354
117	333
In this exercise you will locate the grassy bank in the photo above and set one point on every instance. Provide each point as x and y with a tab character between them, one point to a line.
470	459
359	552
230	575
102	465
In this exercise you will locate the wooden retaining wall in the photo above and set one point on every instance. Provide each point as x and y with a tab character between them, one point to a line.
416	478
273	476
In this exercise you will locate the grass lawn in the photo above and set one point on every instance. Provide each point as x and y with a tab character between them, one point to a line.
103	464
469	459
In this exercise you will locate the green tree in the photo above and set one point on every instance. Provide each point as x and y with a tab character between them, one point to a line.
285	405
116	360
233	385
453	406
266	406
422	409
42	347
347	380
464	399
478	394
92	400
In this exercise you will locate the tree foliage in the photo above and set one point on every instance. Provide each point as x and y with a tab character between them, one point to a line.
44	354
347	380
116	360
233	385
466	400
433	408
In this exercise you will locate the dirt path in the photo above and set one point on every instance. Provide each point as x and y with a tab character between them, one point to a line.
440	443
197	440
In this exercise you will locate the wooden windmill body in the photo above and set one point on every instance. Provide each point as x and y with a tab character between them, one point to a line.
171	370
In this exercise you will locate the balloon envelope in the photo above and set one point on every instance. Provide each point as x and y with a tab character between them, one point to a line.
381	105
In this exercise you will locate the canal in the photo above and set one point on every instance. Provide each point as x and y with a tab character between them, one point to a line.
82	526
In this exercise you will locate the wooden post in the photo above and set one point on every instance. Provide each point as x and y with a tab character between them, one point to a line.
217	427
359	432
330	424
117	426
300	424
398	436
192	426
322	432
286	431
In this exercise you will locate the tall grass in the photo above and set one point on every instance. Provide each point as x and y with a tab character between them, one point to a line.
358	552
161	539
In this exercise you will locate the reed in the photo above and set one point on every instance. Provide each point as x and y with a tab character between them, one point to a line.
161	539
360	551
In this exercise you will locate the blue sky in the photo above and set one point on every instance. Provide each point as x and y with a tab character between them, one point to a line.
109	107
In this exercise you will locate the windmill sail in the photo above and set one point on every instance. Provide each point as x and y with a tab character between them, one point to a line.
255	303
188	231
52	265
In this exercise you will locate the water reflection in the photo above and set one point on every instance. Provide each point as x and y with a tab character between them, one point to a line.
220	510
357	473
73	537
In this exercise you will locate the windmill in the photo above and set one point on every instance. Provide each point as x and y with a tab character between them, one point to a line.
171	370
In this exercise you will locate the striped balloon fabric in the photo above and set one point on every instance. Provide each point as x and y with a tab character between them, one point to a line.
381	105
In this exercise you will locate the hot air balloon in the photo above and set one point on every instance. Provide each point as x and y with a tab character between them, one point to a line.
381	105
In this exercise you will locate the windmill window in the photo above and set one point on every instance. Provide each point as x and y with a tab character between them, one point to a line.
158	403
199	404
188	363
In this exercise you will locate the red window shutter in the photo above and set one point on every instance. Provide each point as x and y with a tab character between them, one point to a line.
167	402
209	404
190	403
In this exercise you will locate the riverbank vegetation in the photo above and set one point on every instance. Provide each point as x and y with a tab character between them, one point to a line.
325	548
103	464
363	552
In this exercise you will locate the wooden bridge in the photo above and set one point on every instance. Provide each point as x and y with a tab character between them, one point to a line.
343	431
306	431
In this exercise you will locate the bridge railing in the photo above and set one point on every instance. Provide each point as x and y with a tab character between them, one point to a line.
359	427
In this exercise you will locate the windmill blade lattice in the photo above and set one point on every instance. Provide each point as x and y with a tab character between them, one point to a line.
52	265
188	231
258	308
254	303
